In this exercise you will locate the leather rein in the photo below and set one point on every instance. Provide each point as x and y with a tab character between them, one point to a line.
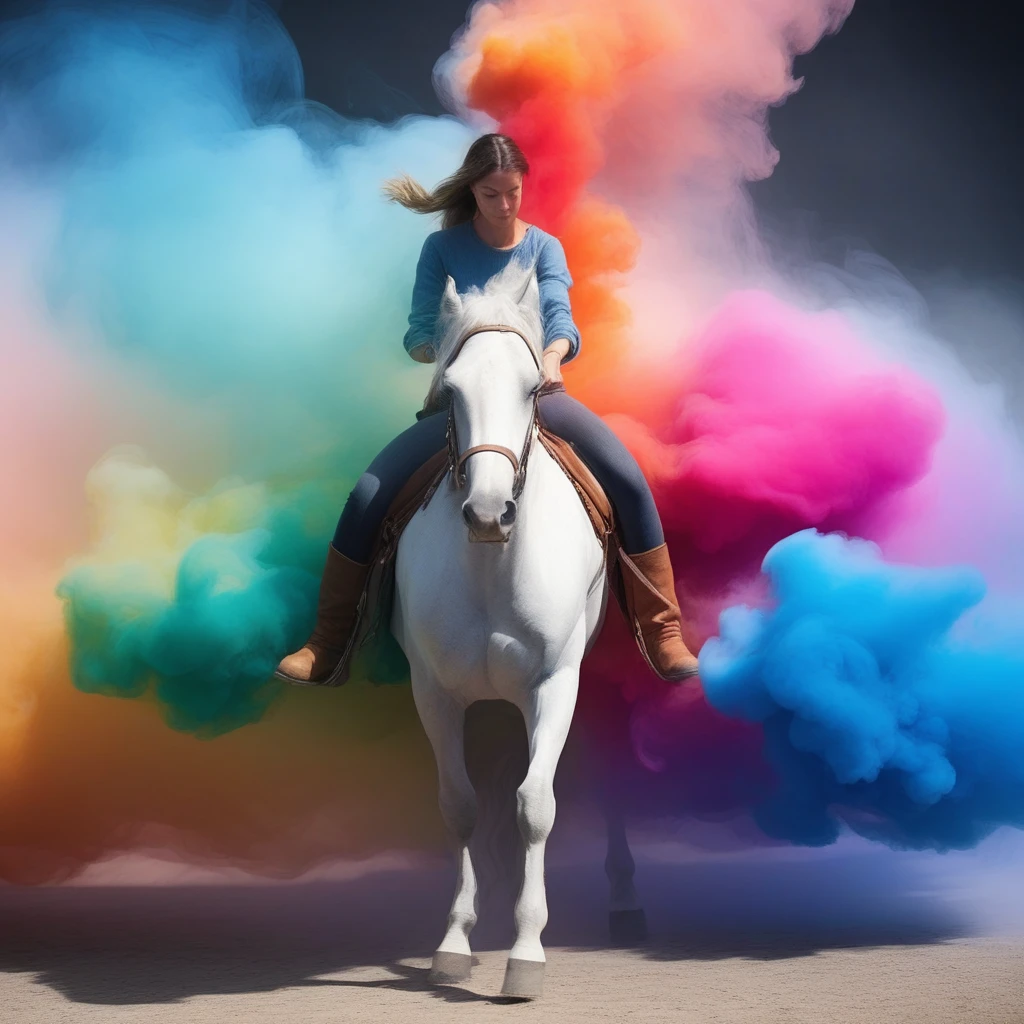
457	460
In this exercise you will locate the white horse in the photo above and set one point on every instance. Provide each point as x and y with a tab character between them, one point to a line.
500	589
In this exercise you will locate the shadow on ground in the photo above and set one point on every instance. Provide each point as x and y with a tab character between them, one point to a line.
139	945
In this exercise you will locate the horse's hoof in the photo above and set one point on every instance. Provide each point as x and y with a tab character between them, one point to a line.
627	927
450	968
524	979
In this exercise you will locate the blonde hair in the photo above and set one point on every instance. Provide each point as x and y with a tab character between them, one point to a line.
453	196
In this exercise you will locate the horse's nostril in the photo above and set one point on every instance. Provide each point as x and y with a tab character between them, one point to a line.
489	526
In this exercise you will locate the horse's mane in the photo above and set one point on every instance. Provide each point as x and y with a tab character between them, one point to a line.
495	303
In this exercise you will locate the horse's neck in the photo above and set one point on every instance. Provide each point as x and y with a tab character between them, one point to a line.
549	499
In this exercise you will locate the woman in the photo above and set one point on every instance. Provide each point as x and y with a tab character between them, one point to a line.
481	232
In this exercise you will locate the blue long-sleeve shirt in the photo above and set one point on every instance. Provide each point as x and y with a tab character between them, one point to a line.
462	253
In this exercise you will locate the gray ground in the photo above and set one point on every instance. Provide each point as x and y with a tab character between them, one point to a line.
848	936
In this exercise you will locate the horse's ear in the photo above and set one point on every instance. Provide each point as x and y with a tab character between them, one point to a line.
451	303
529	292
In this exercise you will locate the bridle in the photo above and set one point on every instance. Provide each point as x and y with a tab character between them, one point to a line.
457	460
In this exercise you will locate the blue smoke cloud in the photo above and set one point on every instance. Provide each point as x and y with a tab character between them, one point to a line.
886	704
222	233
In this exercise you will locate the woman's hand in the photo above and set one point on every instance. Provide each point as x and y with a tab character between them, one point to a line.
552	357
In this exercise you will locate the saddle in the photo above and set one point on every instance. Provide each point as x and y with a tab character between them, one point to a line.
372	646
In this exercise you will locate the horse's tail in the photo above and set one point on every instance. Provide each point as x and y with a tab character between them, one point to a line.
497	758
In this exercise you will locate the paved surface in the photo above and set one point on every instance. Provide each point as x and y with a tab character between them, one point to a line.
845	939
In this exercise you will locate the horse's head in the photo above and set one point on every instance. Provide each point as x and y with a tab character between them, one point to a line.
492	376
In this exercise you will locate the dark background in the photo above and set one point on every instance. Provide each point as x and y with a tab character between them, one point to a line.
905	137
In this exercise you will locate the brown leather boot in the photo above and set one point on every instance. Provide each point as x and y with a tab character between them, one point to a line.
650	594
341	587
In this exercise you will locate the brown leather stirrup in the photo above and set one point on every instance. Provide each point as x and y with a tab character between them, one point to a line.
653	612
340	591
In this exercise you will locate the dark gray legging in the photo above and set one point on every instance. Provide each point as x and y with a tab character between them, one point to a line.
572	421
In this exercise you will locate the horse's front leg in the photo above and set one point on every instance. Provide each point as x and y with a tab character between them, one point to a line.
444	722
548	710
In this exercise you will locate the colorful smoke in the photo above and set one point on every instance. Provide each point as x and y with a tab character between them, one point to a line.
878	713
202	294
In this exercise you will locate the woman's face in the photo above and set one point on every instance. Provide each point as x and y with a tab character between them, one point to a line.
498	196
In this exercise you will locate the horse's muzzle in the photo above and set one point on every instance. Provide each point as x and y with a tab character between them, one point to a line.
491	528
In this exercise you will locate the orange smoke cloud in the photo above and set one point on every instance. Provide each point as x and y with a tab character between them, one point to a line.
616	104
